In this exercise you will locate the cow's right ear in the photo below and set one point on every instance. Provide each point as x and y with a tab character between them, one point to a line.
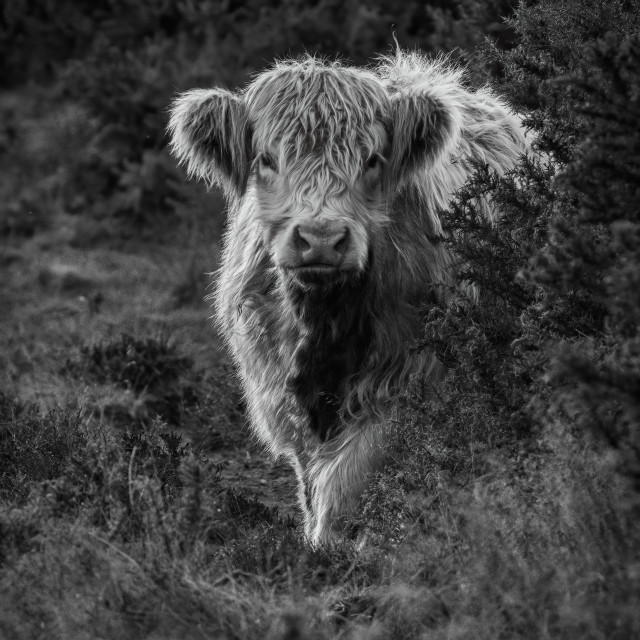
211	137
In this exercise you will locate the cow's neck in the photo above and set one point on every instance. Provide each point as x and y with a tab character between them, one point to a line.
333	334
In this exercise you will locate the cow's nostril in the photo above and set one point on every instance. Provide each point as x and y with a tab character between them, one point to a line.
342	244
299	240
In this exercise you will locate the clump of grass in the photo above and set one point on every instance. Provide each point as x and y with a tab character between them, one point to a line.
145	531
517	544
19	527
249	511
133	363
161	453
525	538
33	447
215	421
161	380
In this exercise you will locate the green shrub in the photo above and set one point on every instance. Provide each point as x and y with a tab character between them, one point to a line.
554	335
595	251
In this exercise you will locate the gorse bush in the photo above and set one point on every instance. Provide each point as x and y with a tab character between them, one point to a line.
587	271
558	270
498	467
597	251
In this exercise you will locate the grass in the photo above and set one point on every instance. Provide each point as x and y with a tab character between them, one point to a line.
133	503
134	534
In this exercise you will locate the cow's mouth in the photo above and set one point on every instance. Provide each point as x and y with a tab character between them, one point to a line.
320	274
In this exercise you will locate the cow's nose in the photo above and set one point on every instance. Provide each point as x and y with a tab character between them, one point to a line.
321	246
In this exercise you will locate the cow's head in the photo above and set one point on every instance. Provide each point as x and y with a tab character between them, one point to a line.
315	150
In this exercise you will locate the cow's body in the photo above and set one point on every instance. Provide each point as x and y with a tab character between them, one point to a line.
335	176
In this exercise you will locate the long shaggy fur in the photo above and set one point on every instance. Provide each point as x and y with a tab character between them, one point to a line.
320	364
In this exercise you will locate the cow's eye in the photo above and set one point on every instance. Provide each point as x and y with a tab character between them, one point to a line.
372	163
267	161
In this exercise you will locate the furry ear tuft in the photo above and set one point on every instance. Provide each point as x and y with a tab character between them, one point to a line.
211	137
423	130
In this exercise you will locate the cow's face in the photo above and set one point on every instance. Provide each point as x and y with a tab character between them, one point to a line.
321	139
315	151
317	218
317	215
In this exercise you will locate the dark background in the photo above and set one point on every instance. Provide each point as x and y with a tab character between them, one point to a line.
120	63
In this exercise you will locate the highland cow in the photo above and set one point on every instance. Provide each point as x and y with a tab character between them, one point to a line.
335	176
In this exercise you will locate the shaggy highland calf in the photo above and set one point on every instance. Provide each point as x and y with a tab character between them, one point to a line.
334	177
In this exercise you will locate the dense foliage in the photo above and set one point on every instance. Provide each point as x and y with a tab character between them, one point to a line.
545	370
560	270
553	343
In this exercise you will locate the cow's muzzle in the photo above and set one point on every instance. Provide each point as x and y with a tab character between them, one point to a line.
317	253
318	246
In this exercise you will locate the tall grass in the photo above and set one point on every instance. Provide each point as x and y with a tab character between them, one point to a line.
137	536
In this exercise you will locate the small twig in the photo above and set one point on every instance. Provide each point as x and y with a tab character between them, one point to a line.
130	476
232	574
349	571
118	551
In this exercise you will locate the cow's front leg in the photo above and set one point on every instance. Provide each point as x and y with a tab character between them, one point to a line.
300	463
336	478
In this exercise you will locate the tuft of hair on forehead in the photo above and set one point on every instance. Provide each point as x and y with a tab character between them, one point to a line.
410	72
312	105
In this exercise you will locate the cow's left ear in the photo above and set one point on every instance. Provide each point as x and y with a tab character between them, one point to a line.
423	128
211	137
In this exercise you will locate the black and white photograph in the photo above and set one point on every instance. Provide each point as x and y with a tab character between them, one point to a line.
319	319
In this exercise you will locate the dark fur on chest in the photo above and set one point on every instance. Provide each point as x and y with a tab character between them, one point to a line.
334	333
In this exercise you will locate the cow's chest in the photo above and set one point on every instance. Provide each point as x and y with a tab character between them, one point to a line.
332	336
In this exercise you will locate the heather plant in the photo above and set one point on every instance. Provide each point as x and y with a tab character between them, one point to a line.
150	503
137	364
151	368
34	448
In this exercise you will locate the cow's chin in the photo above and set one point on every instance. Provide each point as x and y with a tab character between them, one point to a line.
320	276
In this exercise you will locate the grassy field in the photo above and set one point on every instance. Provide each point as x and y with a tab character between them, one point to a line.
134	504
